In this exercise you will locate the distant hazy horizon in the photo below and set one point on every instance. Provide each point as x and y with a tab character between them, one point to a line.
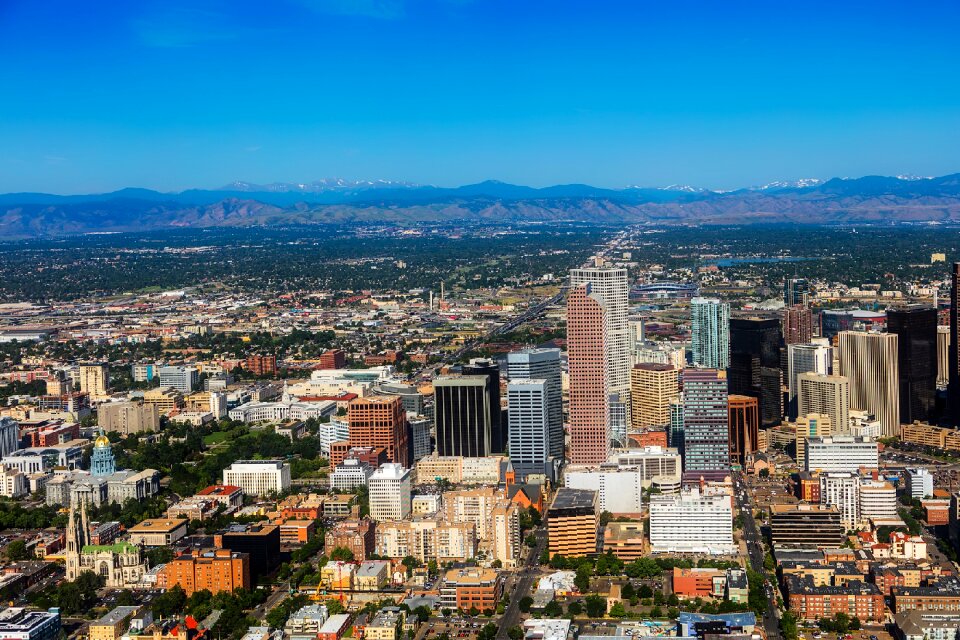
177	95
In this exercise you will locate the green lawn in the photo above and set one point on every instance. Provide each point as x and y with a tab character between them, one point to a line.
217	437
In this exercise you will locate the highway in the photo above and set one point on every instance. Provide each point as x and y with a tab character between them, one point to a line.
751	535
524	581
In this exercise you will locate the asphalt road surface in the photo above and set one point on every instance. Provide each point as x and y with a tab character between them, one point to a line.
751	535
526	576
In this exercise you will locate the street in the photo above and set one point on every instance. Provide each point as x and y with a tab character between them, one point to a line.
525	579
751	535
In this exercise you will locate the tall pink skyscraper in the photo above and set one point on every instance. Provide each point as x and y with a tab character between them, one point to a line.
589	381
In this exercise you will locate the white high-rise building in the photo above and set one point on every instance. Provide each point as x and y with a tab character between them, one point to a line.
529	427
689	522
543	364
619	491
841	453
825	395
183	379
258	477
870	362
337	430
878	501
350	474
710	333
806	358
389	490
842	490
919	483
611	286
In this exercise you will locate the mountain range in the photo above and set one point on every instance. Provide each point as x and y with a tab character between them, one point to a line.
870	199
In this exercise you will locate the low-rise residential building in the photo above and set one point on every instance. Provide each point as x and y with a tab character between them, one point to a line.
811	602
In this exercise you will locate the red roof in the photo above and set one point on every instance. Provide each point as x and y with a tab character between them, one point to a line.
219	490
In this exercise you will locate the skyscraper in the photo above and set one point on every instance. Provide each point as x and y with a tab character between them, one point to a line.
543	364
710	333
529	415
796	291
589	389
797	324
829	395
744	422
953	386
653	387
805	358
943	356
380	421
706	438
870	362
916	330
611	287
95	379
754	368
462	416
675	434
489	369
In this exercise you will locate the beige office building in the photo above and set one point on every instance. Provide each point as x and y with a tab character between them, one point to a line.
128	417
653	386
829	395
94	379
943	356
812	425
870	362
165	400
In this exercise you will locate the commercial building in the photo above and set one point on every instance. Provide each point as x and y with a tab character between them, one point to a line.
796	291
744	427
380	421
916	329
421	442
350	474
653	387
610	286
128	417
158	532
387	624
619	490
164	399
625	540
183	379
806	525
471	588
754	368
914	624
589	396
258	477
919	483
16	623
690	522
870	362
943	356
573	523
825	395
216	570
543	364
495	418
811	425
841	453
842	490
95	379
706	436
427	538
463	408
261	366
389	491
805	358
358	536
710	333
698	582
797	321
878	502
259	542
854	599
529	428
112	625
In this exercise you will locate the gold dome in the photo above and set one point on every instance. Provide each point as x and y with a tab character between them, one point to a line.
102	441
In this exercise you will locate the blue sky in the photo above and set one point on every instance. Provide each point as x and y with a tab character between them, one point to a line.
169	95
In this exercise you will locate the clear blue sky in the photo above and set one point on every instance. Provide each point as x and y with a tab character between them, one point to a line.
169	95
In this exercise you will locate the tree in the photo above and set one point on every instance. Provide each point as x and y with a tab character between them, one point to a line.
17	550
764	473
582	579
575	608
342	554
656	613
531	541
617	611
788	625
627	591
515	633
645	591
422	612
558	561
596	606
525	603
170	602
553	609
